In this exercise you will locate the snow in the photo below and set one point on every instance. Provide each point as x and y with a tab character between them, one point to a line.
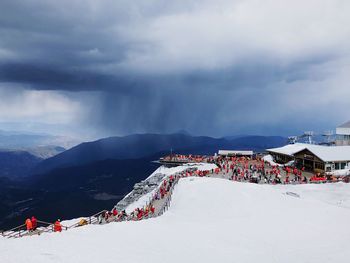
290	163
268	158
72	221
211	220
336	194
342	172
144	200
331	153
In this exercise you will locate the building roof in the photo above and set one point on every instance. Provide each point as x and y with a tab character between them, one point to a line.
345	125
289	149
325	153
331	153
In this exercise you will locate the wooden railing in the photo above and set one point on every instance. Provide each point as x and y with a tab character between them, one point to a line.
21	231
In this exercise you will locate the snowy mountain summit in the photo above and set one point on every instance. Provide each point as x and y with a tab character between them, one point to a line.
210	220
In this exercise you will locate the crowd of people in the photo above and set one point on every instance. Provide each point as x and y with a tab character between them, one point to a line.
113	215
259	171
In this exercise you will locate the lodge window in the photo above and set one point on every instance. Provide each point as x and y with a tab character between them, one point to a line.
343	137
319	166
342	165
337	166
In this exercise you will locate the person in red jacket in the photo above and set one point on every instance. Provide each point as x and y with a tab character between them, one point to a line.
287	180
139	214
34	223
115	212
57	226
29	224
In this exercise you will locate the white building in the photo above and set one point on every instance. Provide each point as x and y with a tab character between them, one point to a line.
343	134
314	157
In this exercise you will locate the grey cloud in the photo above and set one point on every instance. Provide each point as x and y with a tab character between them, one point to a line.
211	67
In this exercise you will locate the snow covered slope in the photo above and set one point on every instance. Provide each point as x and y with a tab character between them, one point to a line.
211	220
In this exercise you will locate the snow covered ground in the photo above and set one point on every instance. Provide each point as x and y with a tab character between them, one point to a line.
211	220
342	172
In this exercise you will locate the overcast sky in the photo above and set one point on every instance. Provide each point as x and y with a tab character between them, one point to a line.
221	67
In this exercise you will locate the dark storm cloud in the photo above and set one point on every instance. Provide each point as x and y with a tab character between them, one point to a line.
196	65
49	77
69	45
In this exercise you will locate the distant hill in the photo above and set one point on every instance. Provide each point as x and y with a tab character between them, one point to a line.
20	140
142	145
20	152
17	164
45	152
